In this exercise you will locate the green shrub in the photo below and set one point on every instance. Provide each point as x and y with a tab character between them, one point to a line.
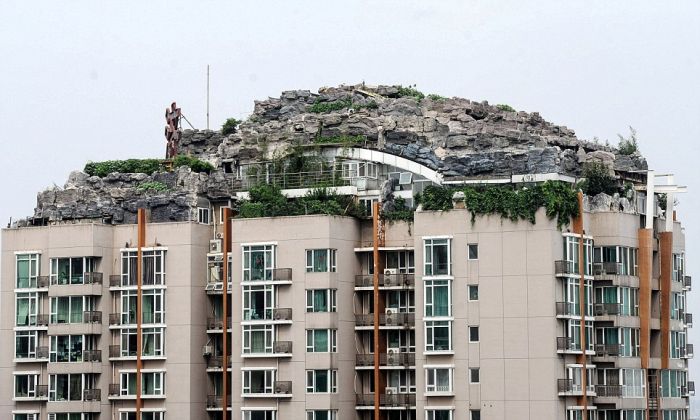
400	212
153	186
143	166
320	107
505	107
193	163
436	97
412	92
628	145
268	201
230	126
341	139
598	180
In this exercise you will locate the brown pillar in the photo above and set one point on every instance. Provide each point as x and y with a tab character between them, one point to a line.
666	268
226	248
582	359
141	228
645	272
375	250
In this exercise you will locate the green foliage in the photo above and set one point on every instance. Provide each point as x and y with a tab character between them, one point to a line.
400	212
230	126
152	186
628	145
193	163
320	107
436	97
268	201
505	107
143	166
368	105
661	199
598	180
341	139
411	91
558	199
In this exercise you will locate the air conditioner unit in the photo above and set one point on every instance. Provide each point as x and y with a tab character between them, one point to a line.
219	235
393	350
391	271
215	246
391	316
391	311
391	390
392	356
361	184
206	351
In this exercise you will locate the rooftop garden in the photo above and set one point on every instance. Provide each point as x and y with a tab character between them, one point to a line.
267	200
145	166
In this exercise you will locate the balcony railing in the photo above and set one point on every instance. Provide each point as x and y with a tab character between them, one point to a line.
386	400
565	385
217	323
92	278
565	267
608	390
217	401
397	359
567	308
281	274
602	309
92	395
92	355
42	320
567	344
115	319
687	351
92	317
607	268
397	319
42	352
691	388
327	178
687	282
282	347
217	362
115	280
114	390
688	319
386	280
283	387
42	391
115	350
602	350
282	314
42	282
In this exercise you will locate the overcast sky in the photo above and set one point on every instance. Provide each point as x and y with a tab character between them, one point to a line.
87	80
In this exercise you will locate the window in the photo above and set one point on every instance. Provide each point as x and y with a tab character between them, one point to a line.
403	380
27	416
258	338
629	301
71	270
25	385
66	348
258	263
473	251
321	341
145	415
473	292
258	302
320	260
473	334
445	414
633	383
153	341
437	298
259	414
402	261
221	214
678	267
677	344
321	300
673	383
438	335
571	255
674	415
368	205
321	414
633	414
153	267
574	373
69	309
438	379
574	334
128	342
258	381
401	300
629	342
677	305
437	257
27	271
129	268
571	294
321	381
152	383
67	387
203	215
577	414
473	375
27	309
25	344
404	340
153	306
475	414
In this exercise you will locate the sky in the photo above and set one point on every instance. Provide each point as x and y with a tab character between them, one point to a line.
86	80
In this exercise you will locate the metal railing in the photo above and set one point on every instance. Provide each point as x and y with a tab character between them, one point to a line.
385	359
608	349
322	178
115	350
565	385
115	280
92	395
115	319
608	390
567	344
691	387
687	351
217	401
396	319
282	314
565	267
688	319
602	309
687	282
42	282
282	347
42	391
283	387
386	280
281	274
42	352
42	320
567	308
92	278
387	400
217	362
92	317
217	323
607	268
92	355
114	390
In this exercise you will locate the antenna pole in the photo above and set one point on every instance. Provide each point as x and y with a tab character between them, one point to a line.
207	96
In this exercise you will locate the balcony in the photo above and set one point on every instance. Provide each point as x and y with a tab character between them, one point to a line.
603	350
92	317
115	319
115	280
41	392
42	352
398	319
385	359
608	391
282	314
567	345
115	351
606	309
114	390
42	320
92	355
691	388
42	282
686	352
92	395
386	400
282	274
282	347
92	278
217	402
217	323
386	280
217	363
687	282
607	269
567	309
688	319
563	268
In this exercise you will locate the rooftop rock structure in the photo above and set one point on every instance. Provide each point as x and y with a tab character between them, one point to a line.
458	138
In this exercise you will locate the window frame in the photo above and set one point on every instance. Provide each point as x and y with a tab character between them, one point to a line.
332	340
431	379
312	381
331	256
330	296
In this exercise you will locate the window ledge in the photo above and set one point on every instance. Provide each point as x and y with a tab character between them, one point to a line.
439	353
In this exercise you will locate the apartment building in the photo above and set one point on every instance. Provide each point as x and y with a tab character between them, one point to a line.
317	317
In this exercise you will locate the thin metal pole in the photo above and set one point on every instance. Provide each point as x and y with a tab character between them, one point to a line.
207	96
375	281
141	227
226	249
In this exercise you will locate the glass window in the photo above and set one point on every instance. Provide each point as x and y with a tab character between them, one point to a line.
321	300
25	344
153	341
259	414
153	267
26	416
68	387
445	414
678	341
678	267
474	375
438	335
633	383
629	342
321	341
71	270
258	338
402	261
321	414
473	292
203	215
128	342
153	306
25	386
258	263
473	334
70	309
320	260
321	381
258	302
152	383
438	379
673	383
27	307
437	257
129	268
66	348
473	251
258	381
27	270
475	414
437	298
